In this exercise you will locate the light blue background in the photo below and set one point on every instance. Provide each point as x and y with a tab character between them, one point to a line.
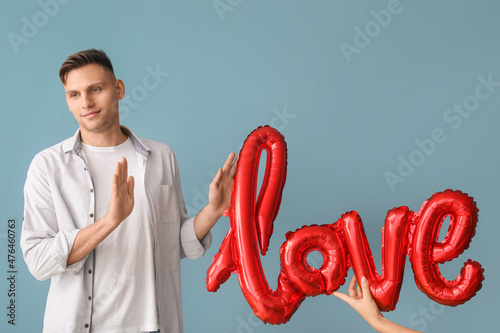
237	68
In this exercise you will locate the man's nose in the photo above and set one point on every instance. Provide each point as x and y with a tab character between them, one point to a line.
87	101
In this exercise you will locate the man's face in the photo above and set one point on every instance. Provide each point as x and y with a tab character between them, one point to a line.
92	94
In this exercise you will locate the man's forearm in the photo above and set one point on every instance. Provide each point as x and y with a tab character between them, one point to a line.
205	220
88	238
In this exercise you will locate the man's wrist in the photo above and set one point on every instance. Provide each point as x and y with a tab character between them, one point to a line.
213	213
205	220
109	222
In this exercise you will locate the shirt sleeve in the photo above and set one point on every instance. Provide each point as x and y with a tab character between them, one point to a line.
191	246
45	247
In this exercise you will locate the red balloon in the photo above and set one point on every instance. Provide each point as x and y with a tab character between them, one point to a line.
251	222
307	280
385	288
426	253
343	244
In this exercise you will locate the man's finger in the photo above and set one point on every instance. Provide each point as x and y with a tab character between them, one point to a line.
117	172
234	166
217	178
114	186
228	162
124	169
131	184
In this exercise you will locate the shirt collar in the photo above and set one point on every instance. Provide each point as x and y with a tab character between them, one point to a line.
75	143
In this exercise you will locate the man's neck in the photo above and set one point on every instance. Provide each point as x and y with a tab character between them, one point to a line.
109	138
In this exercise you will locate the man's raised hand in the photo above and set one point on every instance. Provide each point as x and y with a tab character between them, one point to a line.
219	198
219	193
122	194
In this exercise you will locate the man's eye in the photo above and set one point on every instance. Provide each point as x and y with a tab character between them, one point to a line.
96	89
72	95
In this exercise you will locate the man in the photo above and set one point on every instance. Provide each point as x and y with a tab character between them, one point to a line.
105	218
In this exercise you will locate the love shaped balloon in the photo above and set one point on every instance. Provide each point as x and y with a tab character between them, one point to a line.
343	244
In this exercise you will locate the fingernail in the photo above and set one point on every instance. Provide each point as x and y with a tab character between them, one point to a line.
363	280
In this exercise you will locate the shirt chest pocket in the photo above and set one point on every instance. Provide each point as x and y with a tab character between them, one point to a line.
166	204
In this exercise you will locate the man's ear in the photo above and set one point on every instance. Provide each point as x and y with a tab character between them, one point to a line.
120	88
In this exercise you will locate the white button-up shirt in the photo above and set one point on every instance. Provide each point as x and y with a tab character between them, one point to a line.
60	201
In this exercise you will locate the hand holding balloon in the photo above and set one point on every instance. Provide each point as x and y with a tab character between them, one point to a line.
361	300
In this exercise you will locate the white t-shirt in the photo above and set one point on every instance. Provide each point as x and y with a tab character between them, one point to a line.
124	281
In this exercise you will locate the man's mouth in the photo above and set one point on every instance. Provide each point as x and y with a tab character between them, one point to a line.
91	114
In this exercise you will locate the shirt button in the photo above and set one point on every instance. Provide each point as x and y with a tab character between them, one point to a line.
91	215
85	170
86	325
90	271
90	297
91	190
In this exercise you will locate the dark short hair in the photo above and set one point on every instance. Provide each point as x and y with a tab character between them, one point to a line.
82	58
